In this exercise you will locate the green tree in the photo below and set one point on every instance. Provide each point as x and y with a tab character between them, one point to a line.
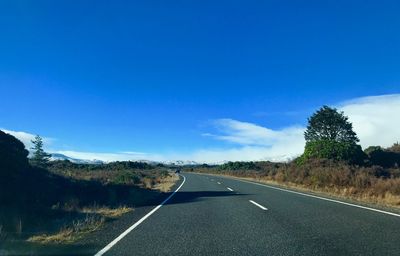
330	135
39	158
330	125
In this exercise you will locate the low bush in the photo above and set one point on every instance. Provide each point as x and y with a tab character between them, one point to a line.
238	166
383	157
334	150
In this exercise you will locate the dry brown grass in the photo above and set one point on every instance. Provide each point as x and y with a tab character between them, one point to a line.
71	233
96	215
106	211
166	183
95	218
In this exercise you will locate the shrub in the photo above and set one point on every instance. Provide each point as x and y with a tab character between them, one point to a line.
381	157
335	150
238	166
126	177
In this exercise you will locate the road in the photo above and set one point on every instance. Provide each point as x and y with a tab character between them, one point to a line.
221	216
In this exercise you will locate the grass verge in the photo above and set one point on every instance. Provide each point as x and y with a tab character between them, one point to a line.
70	233
95	215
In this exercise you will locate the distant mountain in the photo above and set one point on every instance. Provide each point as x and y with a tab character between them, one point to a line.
61	157
181	163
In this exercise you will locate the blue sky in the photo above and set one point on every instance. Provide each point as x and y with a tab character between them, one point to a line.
172	78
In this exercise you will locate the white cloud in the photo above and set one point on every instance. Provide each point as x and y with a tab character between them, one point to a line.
107	157
251	134
27	138
376	120
255	142
244	153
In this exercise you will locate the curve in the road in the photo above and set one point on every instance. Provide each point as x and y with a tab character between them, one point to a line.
116	240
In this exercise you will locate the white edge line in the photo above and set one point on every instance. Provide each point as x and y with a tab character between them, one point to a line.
116	240
229	189
321	198
259	205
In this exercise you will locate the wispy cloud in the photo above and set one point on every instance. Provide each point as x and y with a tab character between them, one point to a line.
254	142
250	134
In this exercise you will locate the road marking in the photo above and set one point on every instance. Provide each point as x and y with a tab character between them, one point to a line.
229	189
219	183
259	205
116	240
321	198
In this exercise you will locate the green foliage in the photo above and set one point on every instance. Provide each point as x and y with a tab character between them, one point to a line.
40	158
330	135
335	150
238	166
127	178
113	166
372	149
327	124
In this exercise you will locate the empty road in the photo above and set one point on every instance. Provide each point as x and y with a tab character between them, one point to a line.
220	216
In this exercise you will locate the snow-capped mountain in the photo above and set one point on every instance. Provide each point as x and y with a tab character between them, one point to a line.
61	157
181	162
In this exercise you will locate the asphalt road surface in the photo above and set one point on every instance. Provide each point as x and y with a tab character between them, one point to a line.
221	216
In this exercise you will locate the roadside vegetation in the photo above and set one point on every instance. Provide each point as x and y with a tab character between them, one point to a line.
60	202
332	163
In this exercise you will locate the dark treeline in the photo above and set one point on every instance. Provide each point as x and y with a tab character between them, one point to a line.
118	165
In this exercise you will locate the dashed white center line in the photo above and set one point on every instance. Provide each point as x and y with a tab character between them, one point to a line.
258	205
229	189
219	182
